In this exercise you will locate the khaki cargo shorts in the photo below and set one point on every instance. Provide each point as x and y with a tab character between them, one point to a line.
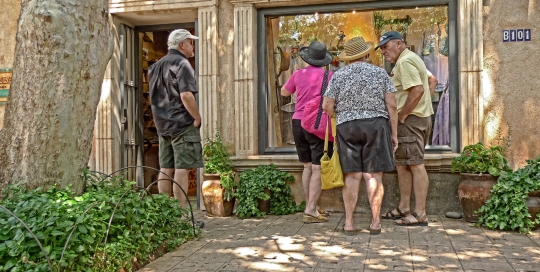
413	136
181	152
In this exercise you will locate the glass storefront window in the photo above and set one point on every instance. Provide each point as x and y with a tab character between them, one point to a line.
424	29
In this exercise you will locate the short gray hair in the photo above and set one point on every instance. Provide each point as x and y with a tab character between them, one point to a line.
178	36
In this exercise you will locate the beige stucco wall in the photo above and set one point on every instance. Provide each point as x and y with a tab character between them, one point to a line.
8	18
510	78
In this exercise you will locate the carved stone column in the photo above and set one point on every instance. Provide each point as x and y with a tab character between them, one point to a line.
471	65
208	69
245	79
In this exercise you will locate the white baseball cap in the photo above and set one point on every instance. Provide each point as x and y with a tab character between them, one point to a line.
179	35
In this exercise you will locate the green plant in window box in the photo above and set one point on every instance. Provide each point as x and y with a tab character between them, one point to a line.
217	160
479	168
506	209
252	187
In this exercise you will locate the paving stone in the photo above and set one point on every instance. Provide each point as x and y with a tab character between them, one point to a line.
284	243
486	266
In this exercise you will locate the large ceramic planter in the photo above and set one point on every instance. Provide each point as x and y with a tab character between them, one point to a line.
212	193
473	192
533	205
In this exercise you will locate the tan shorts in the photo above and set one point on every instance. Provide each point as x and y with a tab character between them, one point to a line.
413	137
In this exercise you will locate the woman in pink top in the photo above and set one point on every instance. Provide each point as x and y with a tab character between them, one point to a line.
306	84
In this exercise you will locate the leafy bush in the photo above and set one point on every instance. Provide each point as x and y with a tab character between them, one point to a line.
506	208
140	225
477	159
217	160
251	189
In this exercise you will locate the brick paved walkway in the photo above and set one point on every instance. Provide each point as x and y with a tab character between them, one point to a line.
284	243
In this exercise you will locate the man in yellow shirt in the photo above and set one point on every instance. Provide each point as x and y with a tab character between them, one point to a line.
413	98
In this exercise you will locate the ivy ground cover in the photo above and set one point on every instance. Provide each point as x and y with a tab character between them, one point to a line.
139	226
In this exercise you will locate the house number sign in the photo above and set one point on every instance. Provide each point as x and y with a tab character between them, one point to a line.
516	35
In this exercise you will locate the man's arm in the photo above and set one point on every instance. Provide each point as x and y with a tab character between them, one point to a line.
432	81
191	105
415	95
391	106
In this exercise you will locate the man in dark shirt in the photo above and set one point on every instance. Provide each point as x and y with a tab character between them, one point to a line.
176	115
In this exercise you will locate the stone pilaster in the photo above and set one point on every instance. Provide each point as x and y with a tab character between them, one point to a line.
208	69
471	65
245	79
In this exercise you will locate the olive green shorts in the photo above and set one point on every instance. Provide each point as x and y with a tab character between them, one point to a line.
181	152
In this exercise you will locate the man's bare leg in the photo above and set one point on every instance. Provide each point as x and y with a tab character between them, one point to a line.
314	191
405	181
375	193
350	197
181	176
421	186
164	182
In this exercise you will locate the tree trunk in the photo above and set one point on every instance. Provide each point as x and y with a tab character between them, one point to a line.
61	54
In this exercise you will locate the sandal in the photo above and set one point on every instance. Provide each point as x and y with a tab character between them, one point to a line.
374	231
393	216
314	219
420	221
350	232
322	212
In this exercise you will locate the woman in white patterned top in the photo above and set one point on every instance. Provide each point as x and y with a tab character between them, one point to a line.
362	97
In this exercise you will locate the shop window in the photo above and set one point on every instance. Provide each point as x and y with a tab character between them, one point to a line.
425	30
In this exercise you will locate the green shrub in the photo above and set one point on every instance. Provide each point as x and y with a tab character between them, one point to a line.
506	208
477	159
251	189
140	225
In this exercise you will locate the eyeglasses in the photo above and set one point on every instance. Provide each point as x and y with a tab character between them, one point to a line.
191	42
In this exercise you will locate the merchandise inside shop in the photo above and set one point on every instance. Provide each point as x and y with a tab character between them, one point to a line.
424	30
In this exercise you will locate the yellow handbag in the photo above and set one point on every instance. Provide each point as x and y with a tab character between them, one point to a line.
331	174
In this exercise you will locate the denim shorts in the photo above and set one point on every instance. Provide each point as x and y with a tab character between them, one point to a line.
181	152
413	136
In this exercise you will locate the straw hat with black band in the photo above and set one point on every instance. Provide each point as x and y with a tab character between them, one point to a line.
316	54
356	48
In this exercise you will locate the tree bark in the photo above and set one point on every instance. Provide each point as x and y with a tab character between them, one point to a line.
62	50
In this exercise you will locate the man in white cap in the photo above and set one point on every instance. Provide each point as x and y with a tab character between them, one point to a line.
176	115
410	77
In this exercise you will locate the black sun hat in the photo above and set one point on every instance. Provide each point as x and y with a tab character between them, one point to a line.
316	54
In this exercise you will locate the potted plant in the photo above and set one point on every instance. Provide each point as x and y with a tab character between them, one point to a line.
514	203
218	177
479	168
265	183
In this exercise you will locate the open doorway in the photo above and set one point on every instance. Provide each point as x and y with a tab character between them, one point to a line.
153	41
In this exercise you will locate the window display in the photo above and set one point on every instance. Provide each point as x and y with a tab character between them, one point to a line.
424	30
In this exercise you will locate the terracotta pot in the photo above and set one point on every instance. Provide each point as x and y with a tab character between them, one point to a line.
473	192
264	205
212	194
533	204
534	193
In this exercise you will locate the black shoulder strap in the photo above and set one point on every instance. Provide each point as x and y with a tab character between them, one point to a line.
323	89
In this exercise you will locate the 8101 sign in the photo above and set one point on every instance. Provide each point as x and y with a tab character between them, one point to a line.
517	35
